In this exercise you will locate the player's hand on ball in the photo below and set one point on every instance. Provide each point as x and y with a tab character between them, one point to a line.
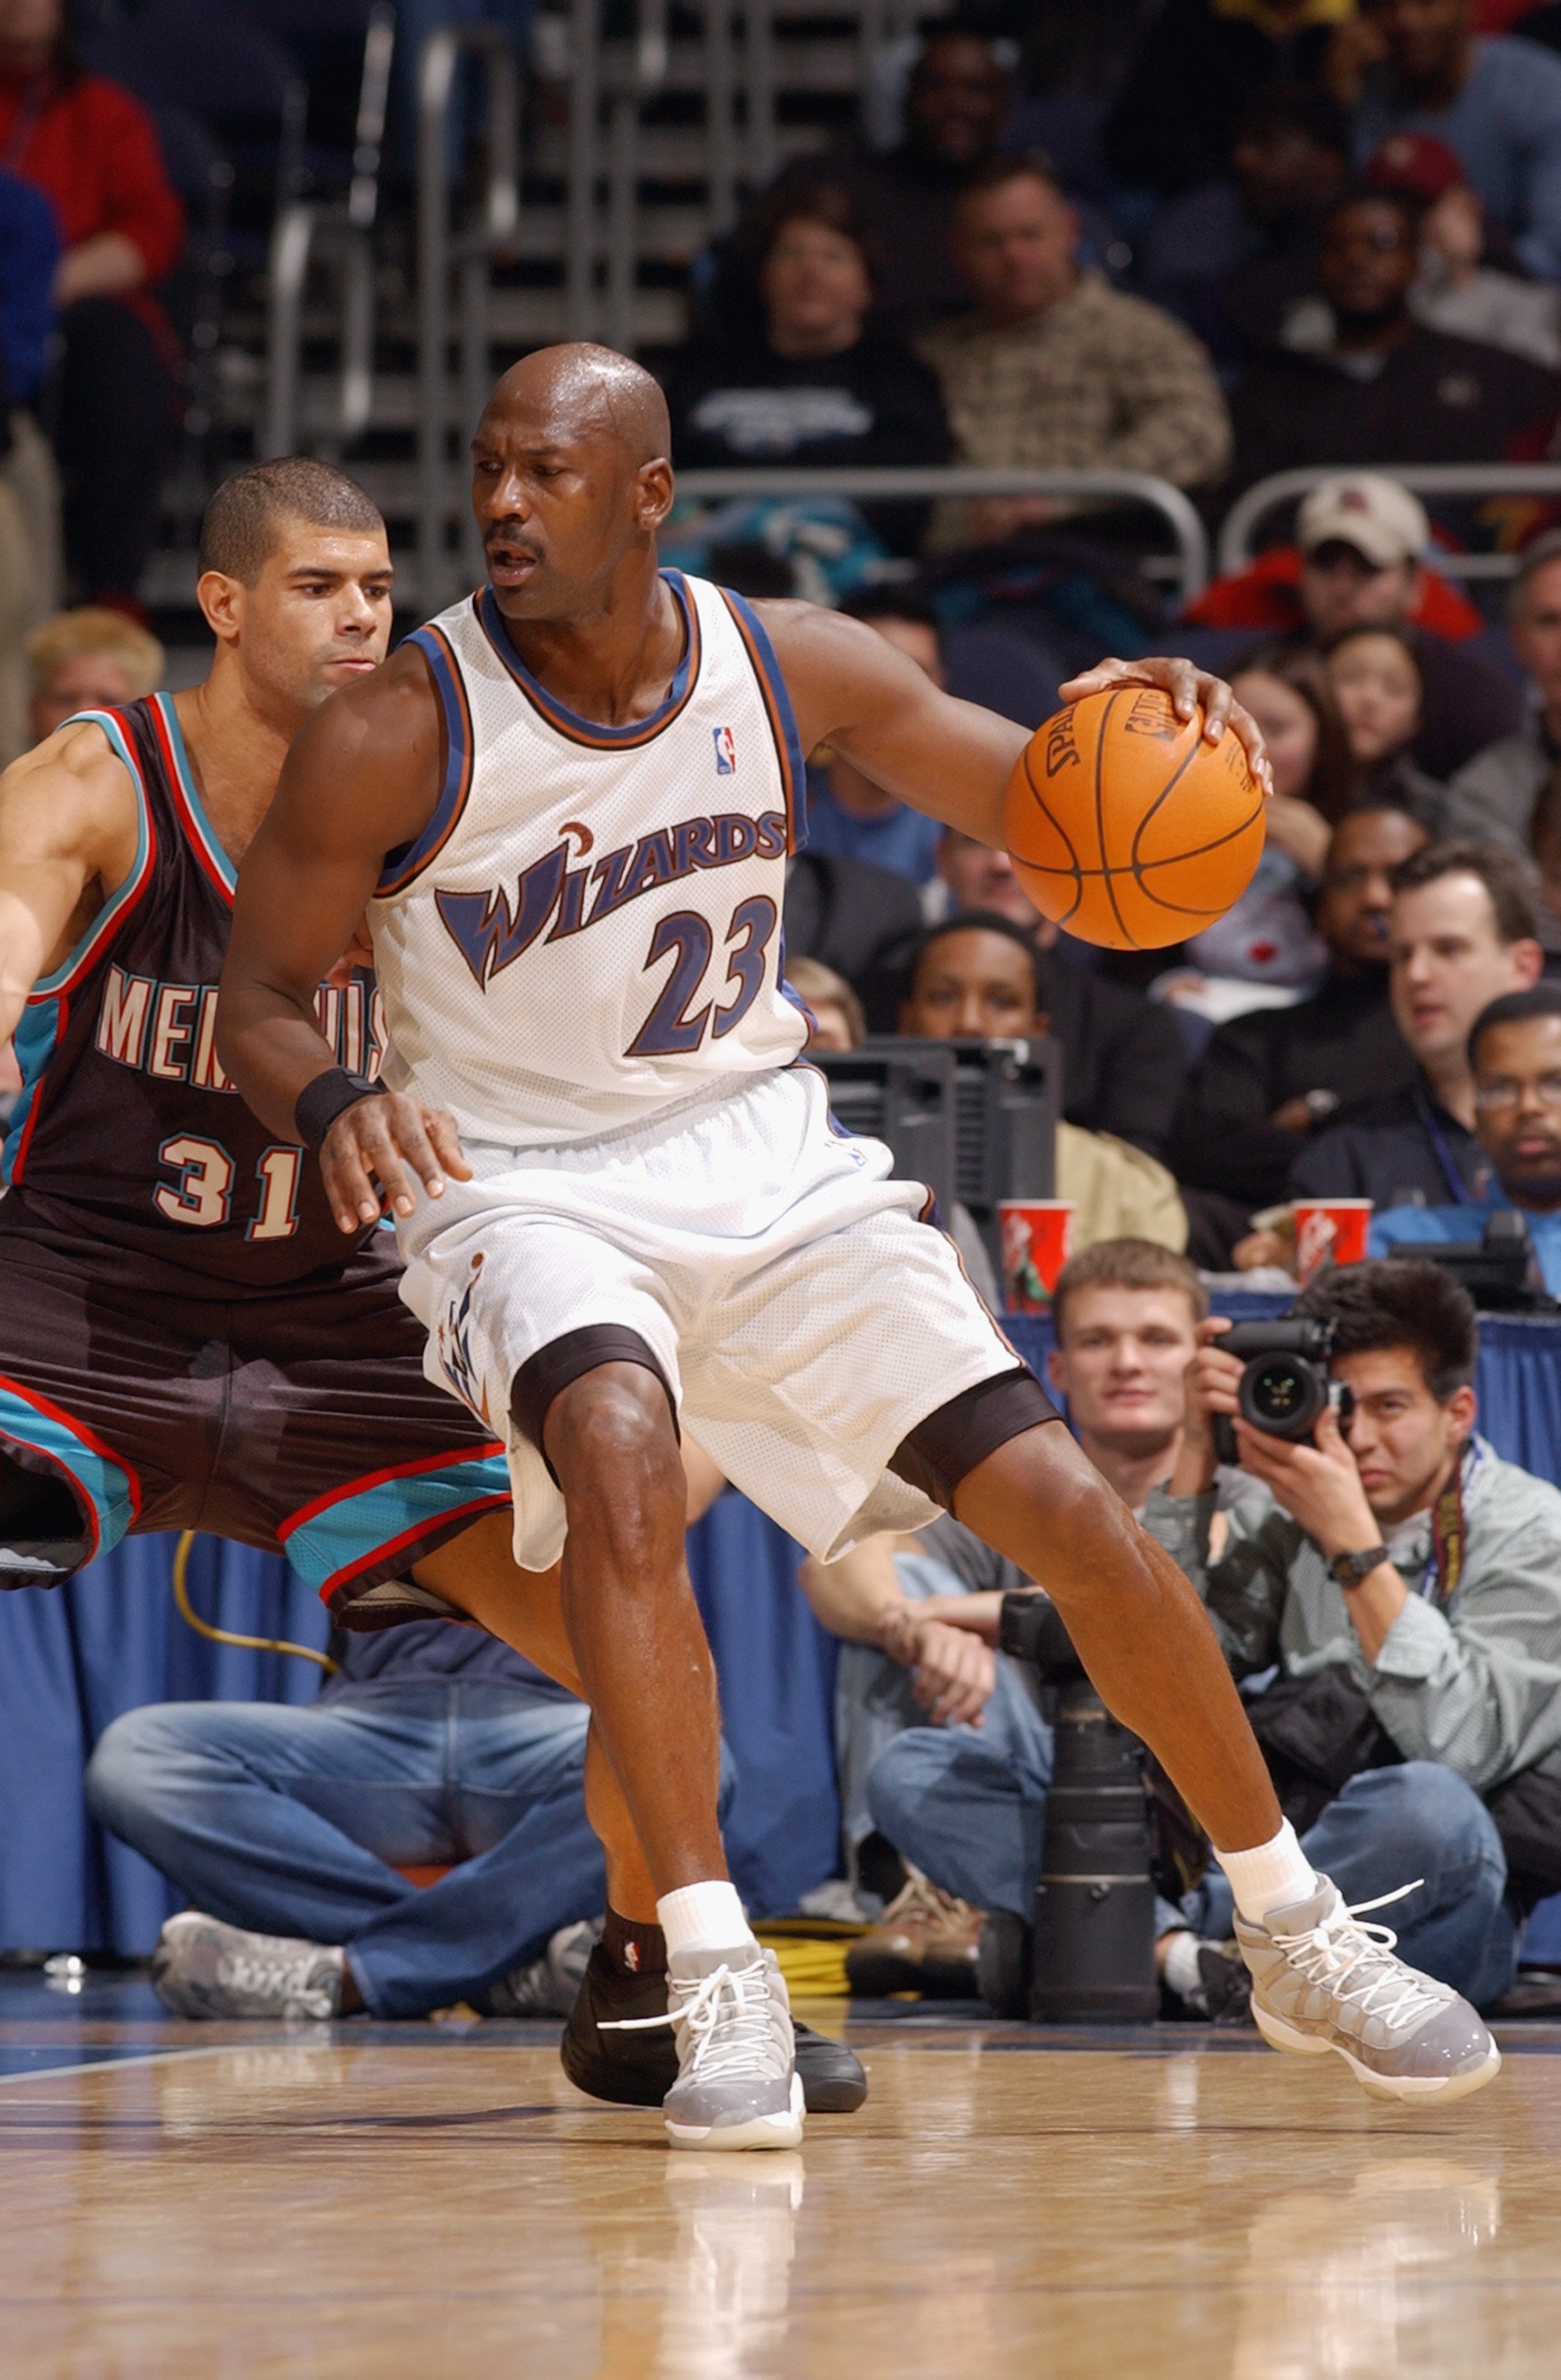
1187	687
396	1142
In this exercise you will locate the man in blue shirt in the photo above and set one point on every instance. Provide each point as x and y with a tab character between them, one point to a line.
847	814
1515	1056
1497	103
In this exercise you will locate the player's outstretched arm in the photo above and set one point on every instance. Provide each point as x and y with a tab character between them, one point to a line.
69	840
854	691
360	781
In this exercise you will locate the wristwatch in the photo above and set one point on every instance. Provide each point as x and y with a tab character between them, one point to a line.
1352	1570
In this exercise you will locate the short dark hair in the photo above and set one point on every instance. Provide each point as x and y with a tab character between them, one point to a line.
1010	166
1500	870
823	201
1400	1302
239	530
982	921
1296	107
1127	1264
888	603
1361	194
1514	1008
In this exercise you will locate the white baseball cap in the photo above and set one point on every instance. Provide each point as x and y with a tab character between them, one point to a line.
1374	515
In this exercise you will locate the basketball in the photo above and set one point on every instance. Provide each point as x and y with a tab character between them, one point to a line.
1126	827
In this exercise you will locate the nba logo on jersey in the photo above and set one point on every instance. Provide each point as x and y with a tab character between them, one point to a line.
726	752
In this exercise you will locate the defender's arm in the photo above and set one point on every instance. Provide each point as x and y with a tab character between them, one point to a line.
853	689
360	781
68	835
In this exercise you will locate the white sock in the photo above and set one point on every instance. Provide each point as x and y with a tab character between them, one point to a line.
1180	1970
702	1917
1270	1877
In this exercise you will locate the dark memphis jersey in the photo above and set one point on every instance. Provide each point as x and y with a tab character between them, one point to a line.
127	1135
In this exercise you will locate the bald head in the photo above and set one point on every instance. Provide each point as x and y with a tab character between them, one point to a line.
581	390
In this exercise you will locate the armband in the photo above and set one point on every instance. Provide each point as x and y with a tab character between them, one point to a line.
330	1095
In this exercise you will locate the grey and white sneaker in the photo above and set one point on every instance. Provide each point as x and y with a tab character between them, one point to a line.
737	2086
1322	1981
203	1968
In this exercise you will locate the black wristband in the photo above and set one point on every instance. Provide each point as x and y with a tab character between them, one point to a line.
330	1095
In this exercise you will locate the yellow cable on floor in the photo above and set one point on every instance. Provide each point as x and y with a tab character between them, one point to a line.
810	1953
227	1635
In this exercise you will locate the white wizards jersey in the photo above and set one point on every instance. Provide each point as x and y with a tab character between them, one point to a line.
588	928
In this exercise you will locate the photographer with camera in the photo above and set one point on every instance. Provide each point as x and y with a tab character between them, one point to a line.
1405	1584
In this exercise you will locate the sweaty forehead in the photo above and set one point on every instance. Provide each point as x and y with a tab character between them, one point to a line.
579	396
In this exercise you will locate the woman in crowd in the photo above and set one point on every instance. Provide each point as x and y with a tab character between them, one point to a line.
1264	952
1376	684
93	152
817	383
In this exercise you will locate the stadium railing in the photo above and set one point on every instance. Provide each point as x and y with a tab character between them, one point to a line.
304	229
1186	567
1237	545
469	253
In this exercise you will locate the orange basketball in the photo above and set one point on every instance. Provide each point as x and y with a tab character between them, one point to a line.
1126	827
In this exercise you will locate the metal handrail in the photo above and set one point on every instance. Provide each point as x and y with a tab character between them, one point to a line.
1236	549
648	72
439	251
961	479
298	230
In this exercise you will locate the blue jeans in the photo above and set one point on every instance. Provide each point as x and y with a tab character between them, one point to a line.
295	1822
972	1819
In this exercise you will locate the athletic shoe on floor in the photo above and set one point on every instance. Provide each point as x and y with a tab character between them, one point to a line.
737	2084
549	1985
1322	1981
637	2069
926	1941
203	1968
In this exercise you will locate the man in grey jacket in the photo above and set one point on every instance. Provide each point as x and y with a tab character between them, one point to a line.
1400	1557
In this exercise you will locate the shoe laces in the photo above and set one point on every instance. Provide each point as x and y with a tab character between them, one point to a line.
1339	1946
278	1975
724	2022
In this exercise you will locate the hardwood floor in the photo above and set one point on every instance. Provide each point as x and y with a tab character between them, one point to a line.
368	2202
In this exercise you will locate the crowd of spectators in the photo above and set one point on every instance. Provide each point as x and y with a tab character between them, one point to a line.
1305	233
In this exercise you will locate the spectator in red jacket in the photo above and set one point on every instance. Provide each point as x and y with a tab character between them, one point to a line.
93	152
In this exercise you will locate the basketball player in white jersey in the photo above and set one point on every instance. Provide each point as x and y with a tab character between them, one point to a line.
566	808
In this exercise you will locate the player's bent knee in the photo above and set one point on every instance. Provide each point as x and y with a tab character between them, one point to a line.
597	1402
128	1763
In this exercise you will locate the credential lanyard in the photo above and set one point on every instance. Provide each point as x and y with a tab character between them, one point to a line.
1458	1190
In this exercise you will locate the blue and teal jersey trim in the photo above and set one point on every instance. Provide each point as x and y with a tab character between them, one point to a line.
108	1496
778	705
375	1527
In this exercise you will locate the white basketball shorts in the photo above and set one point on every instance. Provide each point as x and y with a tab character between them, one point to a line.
804	1316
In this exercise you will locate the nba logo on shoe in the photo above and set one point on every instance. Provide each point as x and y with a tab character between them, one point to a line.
726	752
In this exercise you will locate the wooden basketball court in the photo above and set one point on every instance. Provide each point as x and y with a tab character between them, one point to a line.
434	2200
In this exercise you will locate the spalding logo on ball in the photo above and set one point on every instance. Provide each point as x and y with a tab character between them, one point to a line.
1126	827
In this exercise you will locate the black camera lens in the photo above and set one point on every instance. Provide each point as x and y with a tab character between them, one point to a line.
1283	1394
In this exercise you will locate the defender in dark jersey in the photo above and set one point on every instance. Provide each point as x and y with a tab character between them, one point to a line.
185	1341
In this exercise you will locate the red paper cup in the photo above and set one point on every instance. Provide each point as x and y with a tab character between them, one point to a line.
1037	1236
1329	1230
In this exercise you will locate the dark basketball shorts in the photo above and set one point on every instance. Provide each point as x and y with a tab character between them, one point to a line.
299	1422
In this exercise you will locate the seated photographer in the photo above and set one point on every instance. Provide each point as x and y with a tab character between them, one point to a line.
1406	1583
967	1806
1514	1057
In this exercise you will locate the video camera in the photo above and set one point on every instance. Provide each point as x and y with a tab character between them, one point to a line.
1285	1385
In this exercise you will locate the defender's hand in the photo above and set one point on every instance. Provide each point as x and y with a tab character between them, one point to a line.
393	1140
1187	687
1318	1485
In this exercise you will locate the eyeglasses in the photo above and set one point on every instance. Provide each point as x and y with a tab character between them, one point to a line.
1497	1093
